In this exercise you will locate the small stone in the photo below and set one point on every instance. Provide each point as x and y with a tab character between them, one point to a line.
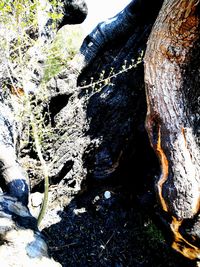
107	194
36	199
79	211
97	198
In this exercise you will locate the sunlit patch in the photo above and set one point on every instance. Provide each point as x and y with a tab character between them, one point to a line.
180	244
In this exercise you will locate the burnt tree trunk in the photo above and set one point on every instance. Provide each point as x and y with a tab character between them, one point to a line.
101	127
172	88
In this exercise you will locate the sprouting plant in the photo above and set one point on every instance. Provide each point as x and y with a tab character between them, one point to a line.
104	80
25	36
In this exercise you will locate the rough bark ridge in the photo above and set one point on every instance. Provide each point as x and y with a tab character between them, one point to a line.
172	118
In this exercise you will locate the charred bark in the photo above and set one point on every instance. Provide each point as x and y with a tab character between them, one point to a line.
102	128
100	125
172	89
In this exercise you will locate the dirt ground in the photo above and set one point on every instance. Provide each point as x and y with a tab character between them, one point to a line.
106	226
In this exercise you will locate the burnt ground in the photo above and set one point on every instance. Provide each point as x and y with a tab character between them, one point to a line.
106	226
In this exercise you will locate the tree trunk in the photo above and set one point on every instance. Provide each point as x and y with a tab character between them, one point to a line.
100	123
172	89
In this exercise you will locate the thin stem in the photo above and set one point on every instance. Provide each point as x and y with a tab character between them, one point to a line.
44	169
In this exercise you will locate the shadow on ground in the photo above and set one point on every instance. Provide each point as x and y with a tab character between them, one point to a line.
99	228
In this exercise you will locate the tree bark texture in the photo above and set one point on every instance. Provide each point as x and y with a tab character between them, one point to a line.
172	89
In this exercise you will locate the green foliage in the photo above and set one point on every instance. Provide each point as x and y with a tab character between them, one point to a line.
105	78
18	35
20	24
155	236
64	47
19	21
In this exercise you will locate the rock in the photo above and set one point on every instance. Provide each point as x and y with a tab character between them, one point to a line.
36	199
35	203
21	242
75	12
107	194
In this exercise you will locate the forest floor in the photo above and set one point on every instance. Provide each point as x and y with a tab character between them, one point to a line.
106	226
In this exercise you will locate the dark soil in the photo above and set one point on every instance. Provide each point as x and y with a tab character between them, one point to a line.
116	231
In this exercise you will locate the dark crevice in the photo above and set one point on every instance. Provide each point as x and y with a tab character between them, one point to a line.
72	184
56	104
62	173
55	179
